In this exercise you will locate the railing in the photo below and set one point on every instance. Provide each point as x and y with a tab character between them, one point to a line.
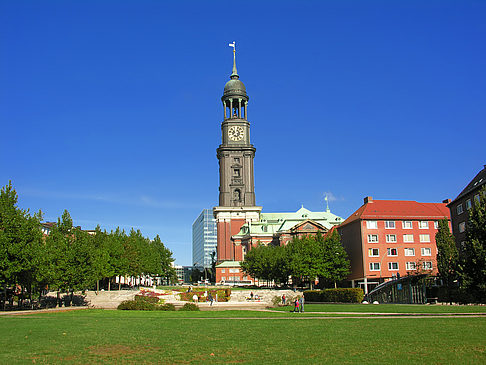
406	290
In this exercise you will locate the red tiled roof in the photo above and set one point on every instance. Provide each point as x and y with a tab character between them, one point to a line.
399	209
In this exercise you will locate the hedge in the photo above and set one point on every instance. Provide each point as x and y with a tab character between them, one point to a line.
341	295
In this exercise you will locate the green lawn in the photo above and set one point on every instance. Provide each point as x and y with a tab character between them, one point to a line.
97	336
390	308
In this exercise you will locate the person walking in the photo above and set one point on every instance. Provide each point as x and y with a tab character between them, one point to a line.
301	304
296	305
210	298
283	299
195	298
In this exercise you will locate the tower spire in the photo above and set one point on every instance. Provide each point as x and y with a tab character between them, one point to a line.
234	74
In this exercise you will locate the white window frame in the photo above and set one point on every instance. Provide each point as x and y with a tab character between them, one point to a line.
390	266
411	265
436	224
223	278
408	235
223	271
427	265
372	224
425	237
405	224
423	225
371	238
459	209
391	249
468	204
389	238
389	224
426	251
375	266
462	227
372	250
409	251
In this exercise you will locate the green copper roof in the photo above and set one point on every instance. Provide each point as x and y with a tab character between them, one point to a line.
271	223
229	264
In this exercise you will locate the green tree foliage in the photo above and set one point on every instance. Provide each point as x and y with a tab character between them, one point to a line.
304	258
307	259
20	241
69	258
447	254
337	265
473	252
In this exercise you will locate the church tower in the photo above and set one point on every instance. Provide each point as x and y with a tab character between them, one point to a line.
236	181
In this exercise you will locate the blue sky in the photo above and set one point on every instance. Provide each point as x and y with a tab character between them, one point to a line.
111	109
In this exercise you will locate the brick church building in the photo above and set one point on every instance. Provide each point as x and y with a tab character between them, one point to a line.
240	223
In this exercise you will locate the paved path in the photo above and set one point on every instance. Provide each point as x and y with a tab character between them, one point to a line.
35	311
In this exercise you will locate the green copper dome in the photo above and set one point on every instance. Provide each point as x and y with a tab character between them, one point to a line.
234	87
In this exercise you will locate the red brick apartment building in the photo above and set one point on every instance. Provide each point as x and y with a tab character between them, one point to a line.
384	238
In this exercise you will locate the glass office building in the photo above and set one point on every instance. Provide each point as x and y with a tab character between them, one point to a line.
204	239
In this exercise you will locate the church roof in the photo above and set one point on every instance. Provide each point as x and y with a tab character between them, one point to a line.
272	223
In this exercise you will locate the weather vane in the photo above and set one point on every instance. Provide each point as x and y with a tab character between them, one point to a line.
235	73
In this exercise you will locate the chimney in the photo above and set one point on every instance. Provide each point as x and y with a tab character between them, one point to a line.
368	199
446	201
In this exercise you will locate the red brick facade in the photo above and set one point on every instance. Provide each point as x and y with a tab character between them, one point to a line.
385	238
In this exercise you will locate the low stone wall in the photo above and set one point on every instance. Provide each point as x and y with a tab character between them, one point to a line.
264	295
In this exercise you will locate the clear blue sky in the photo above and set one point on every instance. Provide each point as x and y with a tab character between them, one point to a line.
111	109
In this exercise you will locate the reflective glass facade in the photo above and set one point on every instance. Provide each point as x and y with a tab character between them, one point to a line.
204	238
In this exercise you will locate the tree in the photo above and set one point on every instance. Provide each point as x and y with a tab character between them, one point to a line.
306	259
447	255
473	252
337	265
20	241
265	263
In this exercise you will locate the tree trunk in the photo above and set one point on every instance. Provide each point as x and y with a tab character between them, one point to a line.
4	296
109	284
119	282
97	286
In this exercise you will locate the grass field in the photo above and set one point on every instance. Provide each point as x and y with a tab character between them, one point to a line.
98	336
390	308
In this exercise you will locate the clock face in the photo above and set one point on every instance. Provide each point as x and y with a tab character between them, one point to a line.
236	133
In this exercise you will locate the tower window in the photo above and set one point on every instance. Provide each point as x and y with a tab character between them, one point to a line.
236	172
237	160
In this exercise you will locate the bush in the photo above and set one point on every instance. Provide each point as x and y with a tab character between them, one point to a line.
167	307
313	296
341	295
141	298
48	302
189	307
139	305
457	295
